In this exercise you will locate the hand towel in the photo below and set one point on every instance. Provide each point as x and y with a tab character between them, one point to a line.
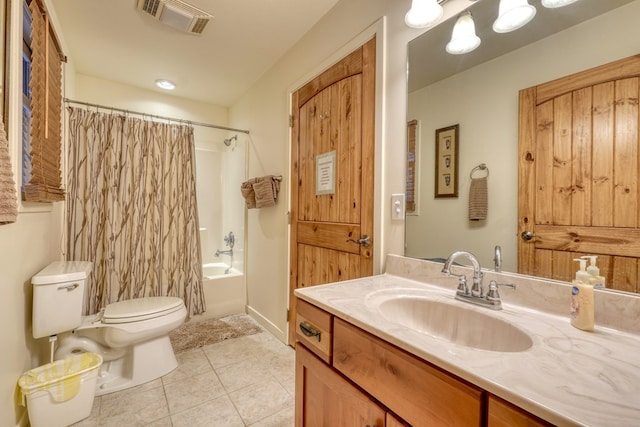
8	198
265	190
248	193
478	199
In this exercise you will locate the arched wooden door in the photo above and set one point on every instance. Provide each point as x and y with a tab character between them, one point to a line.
578	174
332	175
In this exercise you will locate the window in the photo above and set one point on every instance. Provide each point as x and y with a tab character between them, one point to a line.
41	108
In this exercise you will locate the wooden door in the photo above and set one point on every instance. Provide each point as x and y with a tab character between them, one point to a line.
578	174
332	175
324	398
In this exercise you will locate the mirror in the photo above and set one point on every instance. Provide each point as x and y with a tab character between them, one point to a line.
478	92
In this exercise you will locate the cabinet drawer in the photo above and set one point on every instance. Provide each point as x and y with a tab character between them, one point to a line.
413	389
314	329
504	414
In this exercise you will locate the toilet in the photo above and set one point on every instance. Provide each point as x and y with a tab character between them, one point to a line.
131	336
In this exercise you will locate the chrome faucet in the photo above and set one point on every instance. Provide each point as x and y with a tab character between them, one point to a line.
229	240
497	259
476	294
476	288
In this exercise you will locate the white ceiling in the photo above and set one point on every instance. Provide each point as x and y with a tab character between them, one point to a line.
115	41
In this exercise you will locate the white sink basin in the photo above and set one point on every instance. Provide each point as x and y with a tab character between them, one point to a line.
454	322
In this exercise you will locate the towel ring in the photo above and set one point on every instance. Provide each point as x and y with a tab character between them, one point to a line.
480	167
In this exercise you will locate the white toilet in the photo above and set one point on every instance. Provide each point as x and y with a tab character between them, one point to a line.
131	336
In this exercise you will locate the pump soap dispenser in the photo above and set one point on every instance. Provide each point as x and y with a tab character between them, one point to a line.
582	316
595	278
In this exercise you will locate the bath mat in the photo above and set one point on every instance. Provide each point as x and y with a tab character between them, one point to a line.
196	334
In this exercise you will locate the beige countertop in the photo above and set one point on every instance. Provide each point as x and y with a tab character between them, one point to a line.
567	377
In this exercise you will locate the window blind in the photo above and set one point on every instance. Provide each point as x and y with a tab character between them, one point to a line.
45	184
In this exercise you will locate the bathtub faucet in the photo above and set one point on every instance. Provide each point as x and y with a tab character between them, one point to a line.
219	252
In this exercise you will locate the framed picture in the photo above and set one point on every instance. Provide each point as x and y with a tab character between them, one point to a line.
447	162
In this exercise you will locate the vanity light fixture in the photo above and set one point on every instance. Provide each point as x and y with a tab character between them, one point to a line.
423	13
513	14
463	37
165	84
551	4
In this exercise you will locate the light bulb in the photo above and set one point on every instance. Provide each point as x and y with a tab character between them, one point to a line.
551	4
513	14
463	37
423	13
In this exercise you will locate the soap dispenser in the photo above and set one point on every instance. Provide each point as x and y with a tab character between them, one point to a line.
595	278
582	316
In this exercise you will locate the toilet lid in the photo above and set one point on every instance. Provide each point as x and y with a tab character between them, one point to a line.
134	310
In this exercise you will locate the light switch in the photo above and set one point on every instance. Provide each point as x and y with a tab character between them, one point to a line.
397	206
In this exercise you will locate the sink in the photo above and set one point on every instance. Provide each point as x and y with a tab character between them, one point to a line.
453	322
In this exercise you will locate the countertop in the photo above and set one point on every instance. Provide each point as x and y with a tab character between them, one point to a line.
568	377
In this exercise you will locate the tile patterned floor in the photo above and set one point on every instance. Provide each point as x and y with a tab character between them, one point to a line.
246	381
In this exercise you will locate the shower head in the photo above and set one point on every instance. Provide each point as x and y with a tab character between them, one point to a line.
228	141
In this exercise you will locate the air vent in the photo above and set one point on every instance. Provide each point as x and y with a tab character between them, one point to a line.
177	14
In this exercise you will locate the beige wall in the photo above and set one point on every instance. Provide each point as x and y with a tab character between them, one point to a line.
484	101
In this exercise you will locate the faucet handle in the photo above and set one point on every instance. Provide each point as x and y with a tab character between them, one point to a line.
493	294
462	284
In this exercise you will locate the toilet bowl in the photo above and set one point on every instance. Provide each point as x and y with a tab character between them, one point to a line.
132	336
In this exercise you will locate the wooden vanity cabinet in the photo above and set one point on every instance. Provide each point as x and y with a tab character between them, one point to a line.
346	377
324	398
504	414
418	392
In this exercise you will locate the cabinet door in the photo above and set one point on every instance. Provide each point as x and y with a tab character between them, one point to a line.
504	414
325	399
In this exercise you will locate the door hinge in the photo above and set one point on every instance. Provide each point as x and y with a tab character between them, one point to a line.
289	217
290	120
288	315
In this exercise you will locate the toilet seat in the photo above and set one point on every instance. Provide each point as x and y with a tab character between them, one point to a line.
140	309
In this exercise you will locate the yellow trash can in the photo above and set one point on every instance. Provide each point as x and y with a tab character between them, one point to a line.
61	393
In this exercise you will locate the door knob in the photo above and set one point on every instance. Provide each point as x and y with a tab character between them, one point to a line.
527	235
364	241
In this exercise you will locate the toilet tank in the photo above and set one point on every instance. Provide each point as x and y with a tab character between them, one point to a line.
58	295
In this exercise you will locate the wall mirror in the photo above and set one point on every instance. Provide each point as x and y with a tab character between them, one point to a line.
478	92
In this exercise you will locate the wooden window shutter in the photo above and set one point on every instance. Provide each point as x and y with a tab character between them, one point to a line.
45	184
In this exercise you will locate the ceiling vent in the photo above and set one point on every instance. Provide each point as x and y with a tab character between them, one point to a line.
177	14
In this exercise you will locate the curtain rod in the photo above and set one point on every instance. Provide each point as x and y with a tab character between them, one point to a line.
208	125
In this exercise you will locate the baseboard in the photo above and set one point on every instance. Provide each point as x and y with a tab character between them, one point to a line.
267	324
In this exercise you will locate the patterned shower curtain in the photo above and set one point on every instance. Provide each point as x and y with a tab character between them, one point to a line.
131	209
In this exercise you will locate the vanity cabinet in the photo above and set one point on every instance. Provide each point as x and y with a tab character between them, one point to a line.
348	377
325	398
418	392
504	414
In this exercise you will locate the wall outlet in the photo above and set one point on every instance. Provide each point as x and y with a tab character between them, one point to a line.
397	206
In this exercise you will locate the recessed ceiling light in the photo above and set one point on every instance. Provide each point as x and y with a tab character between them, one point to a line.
165	84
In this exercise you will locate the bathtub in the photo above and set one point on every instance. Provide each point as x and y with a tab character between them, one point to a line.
217	270
224	294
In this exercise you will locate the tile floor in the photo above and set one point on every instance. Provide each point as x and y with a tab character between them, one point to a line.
246	381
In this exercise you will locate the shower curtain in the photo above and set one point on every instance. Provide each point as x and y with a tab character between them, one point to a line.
131	209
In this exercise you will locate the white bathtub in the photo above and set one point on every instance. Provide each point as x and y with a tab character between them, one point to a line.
224	294
218	270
